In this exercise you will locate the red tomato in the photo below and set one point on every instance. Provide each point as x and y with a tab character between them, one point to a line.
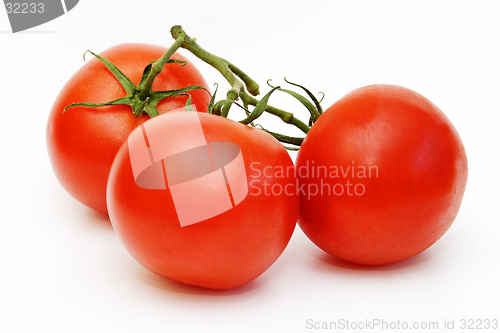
228	249
383	172
83	141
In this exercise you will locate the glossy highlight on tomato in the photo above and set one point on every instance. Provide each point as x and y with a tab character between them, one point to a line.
226	250
402	168
83	141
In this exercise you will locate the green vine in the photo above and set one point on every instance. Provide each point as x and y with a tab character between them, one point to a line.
244	88
142	98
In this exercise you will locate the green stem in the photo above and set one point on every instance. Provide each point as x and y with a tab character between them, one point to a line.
158	67
287	117
285	138
218	63
252	86
232	74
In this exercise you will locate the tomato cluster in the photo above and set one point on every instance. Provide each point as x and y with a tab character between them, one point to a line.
208	201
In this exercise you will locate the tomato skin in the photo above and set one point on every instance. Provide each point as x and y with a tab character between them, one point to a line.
422	174
227	250
83	141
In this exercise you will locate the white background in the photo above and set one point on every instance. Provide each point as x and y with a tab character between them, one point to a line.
64	269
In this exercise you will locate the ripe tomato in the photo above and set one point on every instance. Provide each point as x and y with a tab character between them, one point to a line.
83	141
228	243
384	172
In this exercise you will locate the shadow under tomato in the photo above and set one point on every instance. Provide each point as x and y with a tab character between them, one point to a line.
328	261
97	219
96	216
166	285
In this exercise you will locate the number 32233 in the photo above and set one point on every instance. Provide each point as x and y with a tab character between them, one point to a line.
25	8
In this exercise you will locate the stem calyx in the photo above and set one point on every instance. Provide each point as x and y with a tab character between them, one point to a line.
142	98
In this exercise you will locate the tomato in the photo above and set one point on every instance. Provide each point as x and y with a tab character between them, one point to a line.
188	231
383	173
83	141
